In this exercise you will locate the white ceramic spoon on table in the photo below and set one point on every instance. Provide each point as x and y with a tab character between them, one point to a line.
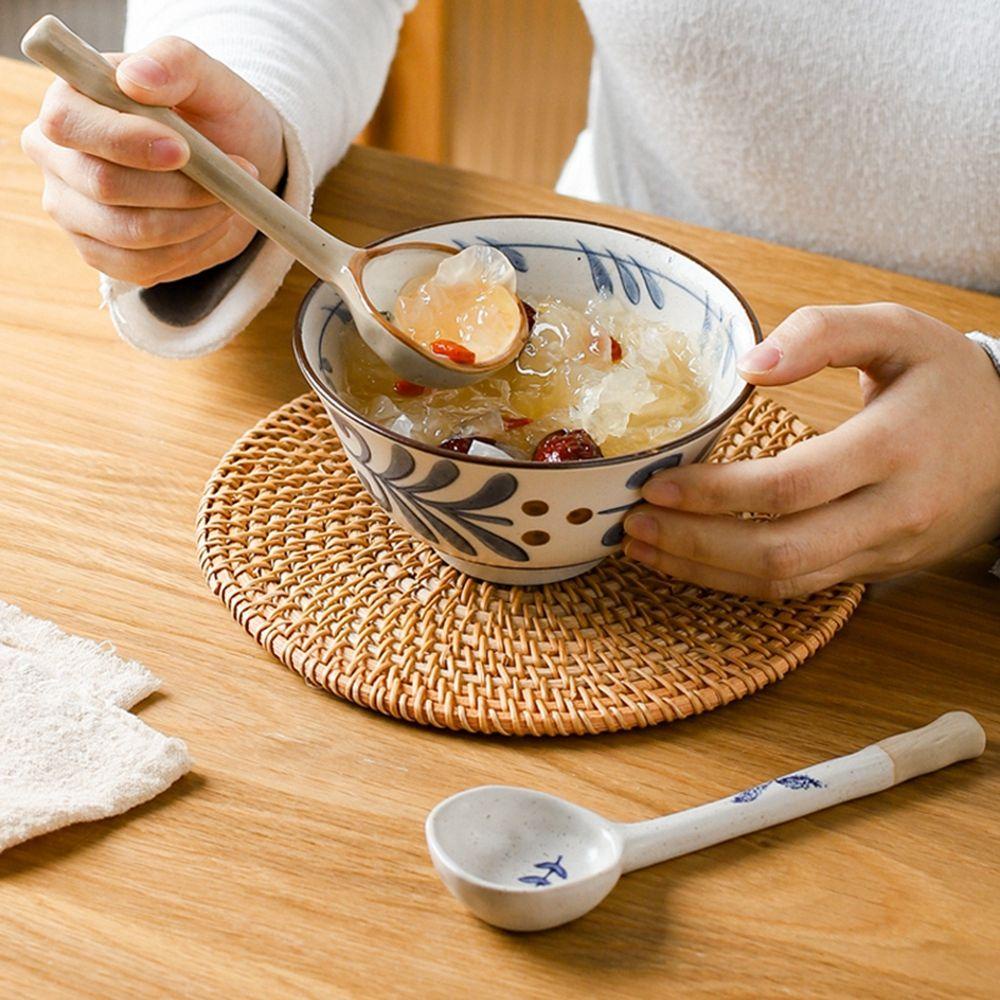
526	860
368	279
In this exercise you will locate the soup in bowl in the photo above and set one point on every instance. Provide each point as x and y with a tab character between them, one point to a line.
526	477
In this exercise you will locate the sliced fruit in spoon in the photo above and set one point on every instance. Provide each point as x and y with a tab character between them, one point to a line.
467	310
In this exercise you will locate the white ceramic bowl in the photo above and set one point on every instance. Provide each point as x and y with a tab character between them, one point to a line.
524	522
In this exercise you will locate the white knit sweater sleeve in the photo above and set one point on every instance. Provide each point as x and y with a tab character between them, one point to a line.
322	64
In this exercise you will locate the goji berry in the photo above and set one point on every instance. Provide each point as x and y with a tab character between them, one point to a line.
458	353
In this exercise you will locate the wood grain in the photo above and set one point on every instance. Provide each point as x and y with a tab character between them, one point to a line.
517	94
493	85
291	862
412	115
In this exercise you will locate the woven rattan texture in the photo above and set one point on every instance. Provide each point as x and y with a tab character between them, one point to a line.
317	573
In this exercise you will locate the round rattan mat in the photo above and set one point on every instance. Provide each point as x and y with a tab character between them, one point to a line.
317	573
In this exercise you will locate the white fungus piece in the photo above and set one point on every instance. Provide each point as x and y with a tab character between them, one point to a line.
566	378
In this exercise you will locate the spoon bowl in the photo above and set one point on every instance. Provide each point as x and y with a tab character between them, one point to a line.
368	279
525	860
379	274
505	853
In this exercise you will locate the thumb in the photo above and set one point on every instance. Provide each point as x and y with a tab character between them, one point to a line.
880	339
175	73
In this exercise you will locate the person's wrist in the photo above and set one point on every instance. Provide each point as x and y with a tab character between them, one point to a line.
273	174
273	161
991	345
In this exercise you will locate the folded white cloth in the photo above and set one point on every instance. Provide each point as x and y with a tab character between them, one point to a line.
69	749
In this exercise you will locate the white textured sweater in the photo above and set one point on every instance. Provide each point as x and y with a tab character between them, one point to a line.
868	129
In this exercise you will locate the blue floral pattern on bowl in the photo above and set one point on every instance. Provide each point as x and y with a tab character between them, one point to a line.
426	515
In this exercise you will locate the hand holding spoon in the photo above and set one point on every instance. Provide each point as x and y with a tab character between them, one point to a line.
368	279
526	860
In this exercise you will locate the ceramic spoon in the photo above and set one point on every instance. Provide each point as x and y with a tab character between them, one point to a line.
368	279
525	860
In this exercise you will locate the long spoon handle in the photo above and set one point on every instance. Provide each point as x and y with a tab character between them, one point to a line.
953	737
52	45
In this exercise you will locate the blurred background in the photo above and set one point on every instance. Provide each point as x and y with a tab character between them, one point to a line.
498	86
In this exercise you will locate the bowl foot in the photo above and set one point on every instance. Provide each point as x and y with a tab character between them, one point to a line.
518	575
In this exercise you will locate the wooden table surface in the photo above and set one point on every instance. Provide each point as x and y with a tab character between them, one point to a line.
291	862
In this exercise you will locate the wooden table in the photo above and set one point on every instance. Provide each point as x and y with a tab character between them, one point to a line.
291	862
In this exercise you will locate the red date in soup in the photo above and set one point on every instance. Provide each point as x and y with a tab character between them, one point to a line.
567	446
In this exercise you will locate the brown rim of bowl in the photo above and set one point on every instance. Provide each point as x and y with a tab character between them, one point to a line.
716	423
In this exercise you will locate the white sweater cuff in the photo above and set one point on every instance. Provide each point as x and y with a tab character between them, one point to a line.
138	325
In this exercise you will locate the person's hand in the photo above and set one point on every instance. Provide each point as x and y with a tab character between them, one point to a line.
111	179
911	479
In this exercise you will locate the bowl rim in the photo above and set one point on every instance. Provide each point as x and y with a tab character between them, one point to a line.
717	422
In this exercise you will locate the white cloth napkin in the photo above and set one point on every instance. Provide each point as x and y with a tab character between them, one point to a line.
69	749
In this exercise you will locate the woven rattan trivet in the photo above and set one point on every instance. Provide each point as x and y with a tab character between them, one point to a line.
315	571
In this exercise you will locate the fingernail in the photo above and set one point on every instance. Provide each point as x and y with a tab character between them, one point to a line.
251	169
144	71
642	527
165	152
663	492
760	359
